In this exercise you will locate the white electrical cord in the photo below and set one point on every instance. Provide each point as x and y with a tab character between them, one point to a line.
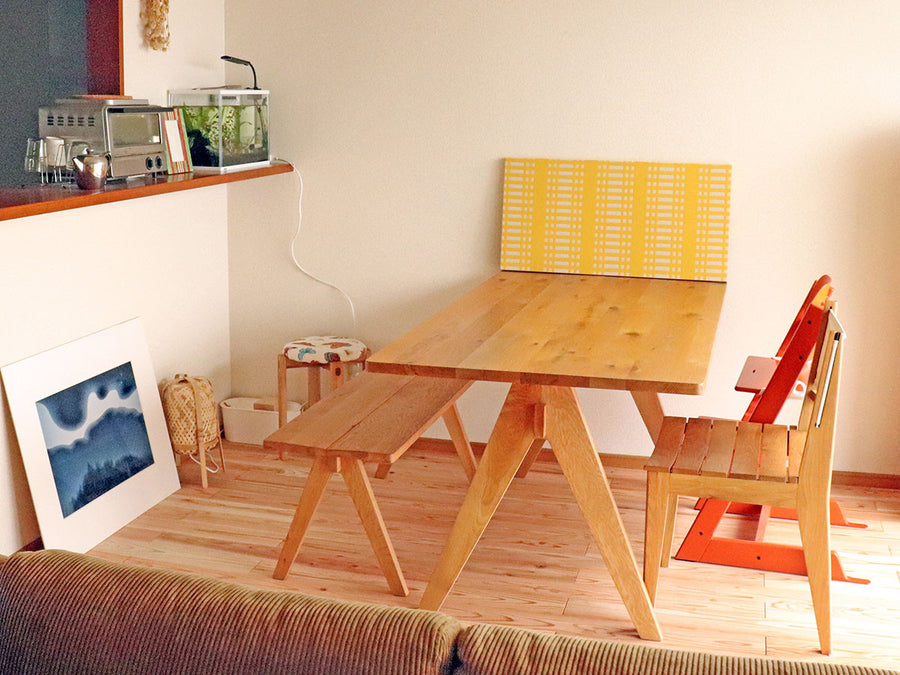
304	270
209	460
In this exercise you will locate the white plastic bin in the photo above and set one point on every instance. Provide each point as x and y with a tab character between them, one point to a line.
243	424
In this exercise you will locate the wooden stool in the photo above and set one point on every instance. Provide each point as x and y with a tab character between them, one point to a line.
317	353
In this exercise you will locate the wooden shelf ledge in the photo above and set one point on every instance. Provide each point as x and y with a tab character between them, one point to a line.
32	200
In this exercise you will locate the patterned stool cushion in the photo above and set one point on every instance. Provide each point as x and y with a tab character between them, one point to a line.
324	349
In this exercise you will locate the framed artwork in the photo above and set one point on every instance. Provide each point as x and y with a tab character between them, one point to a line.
92	434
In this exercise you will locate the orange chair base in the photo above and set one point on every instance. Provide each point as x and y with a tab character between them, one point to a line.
700	545
736	508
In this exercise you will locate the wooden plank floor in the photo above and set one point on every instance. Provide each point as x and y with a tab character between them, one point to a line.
535	566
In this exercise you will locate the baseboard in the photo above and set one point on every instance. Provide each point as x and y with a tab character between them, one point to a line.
850	478
886	481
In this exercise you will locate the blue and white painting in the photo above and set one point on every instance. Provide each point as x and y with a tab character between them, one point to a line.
95	436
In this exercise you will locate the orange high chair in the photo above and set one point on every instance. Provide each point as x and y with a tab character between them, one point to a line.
772	381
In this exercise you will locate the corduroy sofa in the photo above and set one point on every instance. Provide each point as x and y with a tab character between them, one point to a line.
62	612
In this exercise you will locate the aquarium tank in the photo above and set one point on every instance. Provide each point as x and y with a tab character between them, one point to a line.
226	128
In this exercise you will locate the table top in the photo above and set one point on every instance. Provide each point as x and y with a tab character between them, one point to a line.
568	330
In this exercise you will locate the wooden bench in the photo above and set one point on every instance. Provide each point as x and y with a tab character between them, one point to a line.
372	418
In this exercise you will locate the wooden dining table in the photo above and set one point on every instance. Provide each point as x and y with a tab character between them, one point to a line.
548	334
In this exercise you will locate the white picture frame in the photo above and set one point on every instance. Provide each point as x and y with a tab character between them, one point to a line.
90	411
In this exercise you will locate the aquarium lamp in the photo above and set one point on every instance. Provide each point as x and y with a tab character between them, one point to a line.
242	62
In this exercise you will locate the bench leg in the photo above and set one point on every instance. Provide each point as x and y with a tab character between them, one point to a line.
671	511
815	533
354	474
322	470
460	440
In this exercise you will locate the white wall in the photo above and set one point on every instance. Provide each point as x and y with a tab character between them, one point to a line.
398	115
164	258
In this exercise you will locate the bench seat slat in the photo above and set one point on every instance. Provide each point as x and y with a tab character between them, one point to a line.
373	417
390	429
323	424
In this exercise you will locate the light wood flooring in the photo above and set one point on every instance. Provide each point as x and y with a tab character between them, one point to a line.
535	567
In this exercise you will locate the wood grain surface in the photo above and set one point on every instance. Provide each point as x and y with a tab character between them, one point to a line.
568	330
552	578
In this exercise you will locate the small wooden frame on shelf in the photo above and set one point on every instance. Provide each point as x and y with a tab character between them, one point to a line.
178	154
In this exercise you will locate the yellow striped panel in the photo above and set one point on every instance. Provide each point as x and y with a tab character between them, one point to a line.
639	219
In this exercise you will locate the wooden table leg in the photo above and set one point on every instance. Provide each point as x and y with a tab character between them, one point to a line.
650	408
354	474
322	469
567	432
506	448
537	446
512	438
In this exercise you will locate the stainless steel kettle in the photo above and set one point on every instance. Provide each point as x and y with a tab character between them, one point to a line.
90	170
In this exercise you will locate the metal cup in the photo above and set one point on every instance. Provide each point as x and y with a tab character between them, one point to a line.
56	151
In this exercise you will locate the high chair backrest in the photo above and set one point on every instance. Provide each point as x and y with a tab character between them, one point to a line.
794	352
818	450
820	291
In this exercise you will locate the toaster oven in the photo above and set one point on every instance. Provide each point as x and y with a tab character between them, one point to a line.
129	131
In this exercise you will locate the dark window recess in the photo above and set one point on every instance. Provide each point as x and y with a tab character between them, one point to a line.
46	55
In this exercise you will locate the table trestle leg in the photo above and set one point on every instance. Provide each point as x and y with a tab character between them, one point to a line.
509	442
651	411
574	449
537	445
530	414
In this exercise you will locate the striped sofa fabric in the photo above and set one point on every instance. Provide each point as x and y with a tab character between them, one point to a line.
67	613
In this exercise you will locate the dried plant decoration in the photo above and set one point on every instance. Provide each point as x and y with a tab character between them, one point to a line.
155	15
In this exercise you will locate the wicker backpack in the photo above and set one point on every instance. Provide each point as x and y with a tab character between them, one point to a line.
191	415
